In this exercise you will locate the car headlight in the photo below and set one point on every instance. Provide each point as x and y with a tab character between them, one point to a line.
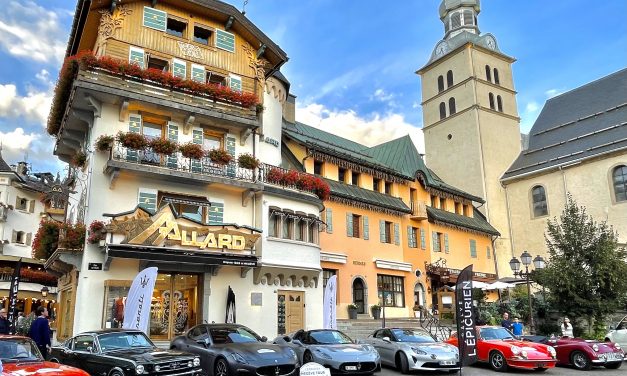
139	369
196	362
515	350
367	347
616	345
239	358
595	347
323	354
157	368
417	350
552	351
291	352
523	354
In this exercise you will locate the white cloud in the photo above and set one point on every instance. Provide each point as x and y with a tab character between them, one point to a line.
44	76
532	107
33	32
34	106
552	93
369	131
17	145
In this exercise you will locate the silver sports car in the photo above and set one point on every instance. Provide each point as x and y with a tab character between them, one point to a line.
334	350
413	349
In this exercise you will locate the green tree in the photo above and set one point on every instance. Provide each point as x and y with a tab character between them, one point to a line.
585	273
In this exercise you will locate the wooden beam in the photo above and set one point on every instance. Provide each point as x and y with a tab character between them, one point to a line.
113	177
95	105
244	271
229	23
124	110
261	50
189	122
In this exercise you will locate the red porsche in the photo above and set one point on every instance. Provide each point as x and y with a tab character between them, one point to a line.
20	356
498	347
583	354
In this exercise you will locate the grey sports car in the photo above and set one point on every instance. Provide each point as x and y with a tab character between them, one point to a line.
334	350
413	349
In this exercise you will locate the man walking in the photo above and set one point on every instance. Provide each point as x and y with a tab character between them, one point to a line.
5	324
505	323
40	331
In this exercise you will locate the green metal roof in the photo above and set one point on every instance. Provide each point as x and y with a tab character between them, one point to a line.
367	196
400	155
477	223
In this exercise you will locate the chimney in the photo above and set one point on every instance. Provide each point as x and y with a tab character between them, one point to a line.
22	168
289	110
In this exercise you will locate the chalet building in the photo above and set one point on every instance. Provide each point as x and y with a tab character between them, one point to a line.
197	73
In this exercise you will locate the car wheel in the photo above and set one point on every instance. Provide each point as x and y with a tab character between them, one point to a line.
221	368
402	364
498	362
616	365
307	357
116	372
580	361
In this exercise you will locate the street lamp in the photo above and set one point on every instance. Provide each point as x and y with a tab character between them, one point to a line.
44	291
538	263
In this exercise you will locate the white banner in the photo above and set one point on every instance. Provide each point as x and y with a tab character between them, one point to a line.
329	317
137	308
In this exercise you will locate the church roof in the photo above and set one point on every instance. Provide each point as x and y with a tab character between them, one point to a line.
583	123
4	167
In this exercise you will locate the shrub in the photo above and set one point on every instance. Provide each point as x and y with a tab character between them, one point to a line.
191	150
47	239
163	146
79	159
275	175
306	182
97	232
104	142
131	140
220	156
247	160
322	189
290	178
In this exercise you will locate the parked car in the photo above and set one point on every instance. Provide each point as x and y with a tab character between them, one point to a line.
334	350
618	333
498	346
20	356
413	349
583	354
232	349
120	352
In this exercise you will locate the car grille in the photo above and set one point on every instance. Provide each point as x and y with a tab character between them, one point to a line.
361	367
281	369
172	366
438	365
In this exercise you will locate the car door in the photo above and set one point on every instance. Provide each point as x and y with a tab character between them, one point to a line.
85	353
388	346
195	344
620	335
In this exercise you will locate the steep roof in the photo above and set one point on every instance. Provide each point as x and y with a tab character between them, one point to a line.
399	154
4	167
588	121
366	196
477	222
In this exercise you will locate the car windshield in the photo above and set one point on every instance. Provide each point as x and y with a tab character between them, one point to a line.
123	341
412	335
496	333
233	335
330	337
18	350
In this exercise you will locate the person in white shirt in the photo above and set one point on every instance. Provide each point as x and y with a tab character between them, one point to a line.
567	328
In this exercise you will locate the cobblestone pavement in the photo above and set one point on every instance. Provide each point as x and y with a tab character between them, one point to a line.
481	370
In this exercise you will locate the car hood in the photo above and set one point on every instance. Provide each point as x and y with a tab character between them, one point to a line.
150	355
345	350
258	350
524	345
432	347
41	368
604	347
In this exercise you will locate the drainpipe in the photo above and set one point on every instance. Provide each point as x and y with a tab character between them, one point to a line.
561	168
496	263
509	219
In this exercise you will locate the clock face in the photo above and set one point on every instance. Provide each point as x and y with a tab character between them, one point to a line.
491	42
440	49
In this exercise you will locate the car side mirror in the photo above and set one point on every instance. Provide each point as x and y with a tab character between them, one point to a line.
264	339
90	350
612	327
205	341
297	342
386	339
287	339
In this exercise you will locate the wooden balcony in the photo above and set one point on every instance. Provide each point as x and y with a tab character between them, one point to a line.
418	210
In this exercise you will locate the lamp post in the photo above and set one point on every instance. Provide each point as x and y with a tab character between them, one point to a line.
538	263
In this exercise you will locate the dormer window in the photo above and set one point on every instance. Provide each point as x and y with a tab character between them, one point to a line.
176	27
158	64
202	35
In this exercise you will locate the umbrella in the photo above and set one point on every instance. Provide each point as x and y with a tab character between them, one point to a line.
499	286
230	307
476	285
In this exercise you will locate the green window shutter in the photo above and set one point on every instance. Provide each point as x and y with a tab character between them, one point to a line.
366	228
198	73
216	213
179	68
31	206
329	221
155	19
230	148
446	243
382	231
225	40
147	199
235	83
136	55
349	225
473	248
488	253
397	234
173	135
197	138
434	241
134	126
423	241
409	243
29	238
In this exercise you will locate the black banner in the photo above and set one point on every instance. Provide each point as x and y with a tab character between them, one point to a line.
466	333
15	286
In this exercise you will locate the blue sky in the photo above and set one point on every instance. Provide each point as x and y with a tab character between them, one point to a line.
352	62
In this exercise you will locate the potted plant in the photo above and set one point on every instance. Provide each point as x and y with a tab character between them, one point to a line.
79	159
97	232
376	311
191	150
248	161
417	310
104	143
275	175
352	311
290	177
131	140
163	146
220	156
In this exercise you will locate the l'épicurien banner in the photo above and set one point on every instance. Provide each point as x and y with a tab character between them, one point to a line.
466	332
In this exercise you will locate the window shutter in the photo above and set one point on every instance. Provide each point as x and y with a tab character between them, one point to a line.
225	40
473	248
446	243
147	199
173	135
397	234
488	254
198	73
235	83
409	237
136	55
14	236
349	225
366	228
155	19
29	238
31	206
179	68
434	241
230	148
134	126
329	221
17	202
423	241
216	213
382	231
197	138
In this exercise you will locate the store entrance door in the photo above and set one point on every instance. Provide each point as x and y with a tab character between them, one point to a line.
291	311
175	307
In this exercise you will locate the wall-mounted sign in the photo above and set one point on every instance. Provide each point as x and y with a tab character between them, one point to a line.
360	263
271	141
94	266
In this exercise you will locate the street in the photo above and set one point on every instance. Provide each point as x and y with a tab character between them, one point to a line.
483	369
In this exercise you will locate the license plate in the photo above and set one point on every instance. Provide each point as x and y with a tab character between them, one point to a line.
447	363
540	365
351	368
615	356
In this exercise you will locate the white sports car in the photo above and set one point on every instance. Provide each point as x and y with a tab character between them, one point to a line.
618	333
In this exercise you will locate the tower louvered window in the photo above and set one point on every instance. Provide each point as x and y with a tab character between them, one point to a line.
456	20
496	77
451	106
488	73
468	17
491	97
449	78
440	83
442	110
499	103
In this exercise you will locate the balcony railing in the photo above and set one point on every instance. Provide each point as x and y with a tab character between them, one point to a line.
419	210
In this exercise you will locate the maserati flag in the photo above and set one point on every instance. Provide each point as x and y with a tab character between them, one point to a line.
15	287
137	309
230	307
466	334
328	310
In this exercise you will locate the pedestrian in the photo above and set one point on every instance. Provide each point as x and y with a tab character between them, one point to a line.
40	331
20	318
5	324
517	327
567	328
505	323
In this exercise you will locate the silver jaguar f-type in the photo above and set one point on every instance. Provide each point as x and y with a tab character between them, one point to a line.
334	350
413	349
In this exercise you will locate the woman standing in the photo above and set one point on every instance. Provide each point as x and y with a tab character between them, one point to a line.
567	328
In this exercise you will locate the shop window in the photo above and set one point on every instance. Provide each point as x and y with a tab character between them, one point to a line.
202	35
539	203
391	290
355	178
176	27
158	64
326	274
341	175
318	165
619	183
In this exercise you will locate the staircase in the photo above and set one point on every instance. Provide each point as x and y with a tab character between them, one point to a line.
362	328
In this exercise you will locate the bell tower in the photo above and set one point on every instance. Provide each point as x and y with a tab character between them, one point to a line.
470	117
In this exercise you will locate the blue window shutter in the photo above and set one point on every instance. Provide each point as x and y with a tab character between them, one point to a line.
349	224
366	228
423	241
216	213
409	243
173	135
155	19
198	73
134	126
137	56
225	40
329	221
179	68
434	241
147	199
197	138
488	253
235	83
446	243
473	248
382	231
230	148
397	234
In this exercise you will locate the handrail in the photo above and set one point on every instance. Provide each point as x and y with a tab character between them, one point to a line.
432	325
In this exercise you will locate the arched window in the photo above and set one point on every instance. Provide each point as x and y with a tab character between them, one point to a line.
619	178
442	110
456	20
449	78
488	73
499	103
451	106
496	77
440	83
538	197
491	96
